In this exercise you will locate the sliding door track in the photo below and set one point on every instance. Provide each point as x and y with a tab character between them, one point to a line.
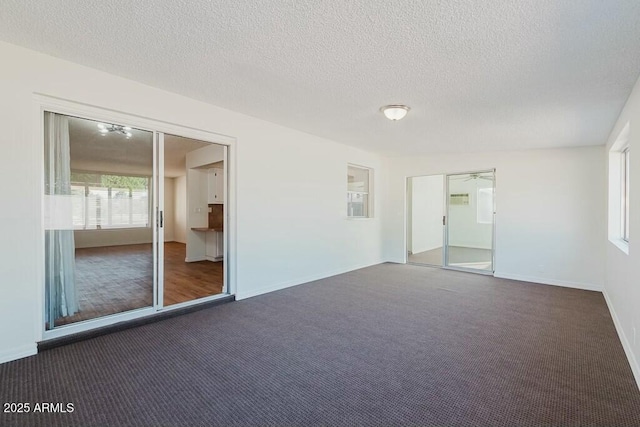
128	324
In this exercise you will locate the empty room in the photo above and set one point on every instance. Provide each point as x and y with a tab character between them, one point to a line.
320	213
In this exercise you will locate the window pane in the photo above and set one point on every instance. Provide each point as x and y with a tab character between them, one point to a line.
358	179
485	206
78	206
111	201
97	207
140	208
625	194
358	204
358	189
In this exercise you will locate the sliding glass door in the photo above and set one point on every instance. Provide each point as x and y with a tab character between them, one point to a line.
470	221
99	226
134	220
425	220
192	236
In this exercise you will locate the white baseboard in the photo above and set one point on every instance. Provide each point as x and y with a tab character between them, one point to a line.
426	249
18	353
289	283
633	362
469	246
554	282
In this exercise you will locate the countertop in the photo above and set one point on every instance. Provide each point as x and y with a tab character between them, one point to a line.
206	229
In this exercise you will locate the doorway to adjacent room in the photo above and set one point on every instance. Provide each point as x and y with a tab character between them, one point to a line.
450	221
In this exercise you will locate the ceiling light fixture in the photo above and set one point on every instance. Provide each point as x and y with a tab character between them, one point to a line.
395	111
107	128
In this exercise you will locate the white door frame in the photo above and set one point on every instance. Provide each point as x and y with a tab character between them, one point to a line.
158	220
445	228
42	103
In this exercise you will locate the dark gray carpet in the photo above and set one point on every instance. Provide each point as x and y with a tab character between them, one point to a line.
386	345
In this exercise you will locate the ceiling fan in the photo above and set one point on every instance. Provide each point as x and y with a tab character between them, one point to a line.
472	176
478	176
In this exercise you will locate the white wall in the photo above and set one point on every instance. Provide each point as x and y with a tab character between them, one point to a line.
622	288
197	213
113	237
427	198
180	209
464	229
169	209
291	210
550	221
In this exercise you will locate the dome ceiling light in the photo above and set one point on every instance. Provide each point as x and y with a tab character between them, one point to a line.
395	111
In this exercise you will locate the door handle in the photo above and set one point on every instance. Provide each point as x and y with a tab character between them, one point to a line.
161	219
444	220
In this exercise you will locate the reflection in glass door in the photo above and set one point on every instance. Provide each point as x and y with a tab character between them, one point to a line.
470	221
425	217
99	227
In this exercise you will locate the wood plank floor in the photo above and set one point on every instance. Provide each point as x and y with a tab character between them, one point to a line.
115	279
186	281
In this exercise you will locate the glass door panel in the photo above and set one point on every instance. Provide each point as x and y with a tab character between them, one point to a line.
192	191
99	257
470	221
425	234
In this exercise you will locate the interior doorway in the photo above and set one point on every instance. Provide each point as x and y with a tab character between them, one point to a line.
134	222
450	221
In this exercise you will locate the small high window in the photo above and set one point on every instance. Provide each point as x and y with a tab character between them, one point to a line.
358	192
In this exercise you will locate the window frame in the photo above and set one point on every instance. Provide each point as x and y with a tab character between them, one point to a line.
624	193
618	175
368	193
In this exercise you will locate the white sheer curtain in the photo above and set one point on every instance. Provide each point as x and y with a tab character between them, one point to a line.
61	297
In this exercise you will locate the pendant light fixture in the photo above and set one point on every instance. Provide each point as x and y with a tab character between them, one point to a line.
108	128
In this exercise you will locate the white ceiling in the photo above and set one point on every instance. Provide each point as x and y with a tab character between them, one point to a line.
92	151
478	75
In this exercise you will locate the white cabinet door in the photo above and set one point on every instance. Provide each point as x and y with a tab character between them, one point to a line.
211	186
220	244
211	244
219	186
216	186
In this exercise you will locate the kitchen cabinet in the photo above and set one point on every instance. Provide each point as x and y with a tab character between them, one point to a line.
215	182
214	245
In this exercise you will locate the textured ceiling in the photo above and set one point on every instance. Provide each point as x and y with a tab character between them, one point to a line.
92	151
478	75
